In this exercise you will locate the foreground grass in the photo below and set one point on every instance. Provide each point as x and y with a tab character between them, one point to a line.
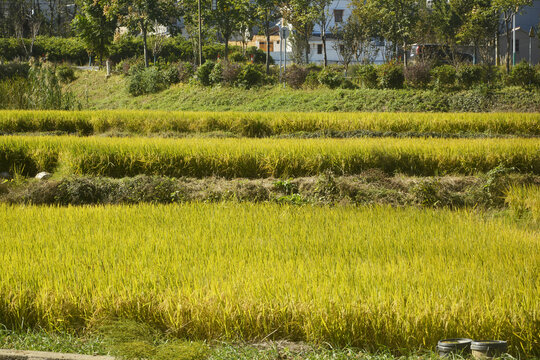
95	92
366	277
259	158
94	343
257	124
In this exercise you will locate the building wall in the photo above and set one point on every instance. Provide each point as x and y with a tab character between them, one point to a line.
522	48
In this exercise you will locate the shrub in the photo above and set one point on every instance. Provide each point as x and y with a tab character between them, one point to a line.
237	57
65	74
204	71
259	56
185	71
216	75
367	76
522	75
312	80
147	81
469	75
418	75
391	76
295	76
230	72
13	70
348	84
330	77
250	75
444	76
171	75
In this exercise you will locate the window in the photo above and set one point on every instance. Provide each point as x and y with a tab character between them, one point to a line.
262	46
338	16
517	45
341	49
319	48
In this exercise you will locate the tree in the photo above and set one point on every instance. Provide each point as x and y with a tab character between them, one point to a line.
508	9
27	16
94	27
301	14
364	24
267	14
480	23
322	18
189	9
346	44
396	18
227	18
142	15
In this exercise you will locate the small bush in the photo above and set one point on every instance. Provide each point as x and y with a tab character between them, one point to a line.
444	76
330	77
216	75
312	80
185	71
295	76
14	70
204	71
469	75
418	75
367	76
171	75
250	75
65	74
522	75
230	73
391	76
237	57
147	81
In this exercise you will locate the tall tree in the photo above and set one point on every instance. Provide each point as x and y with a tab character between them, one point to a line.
142	15
301	14
323	17
94	27
268	14
365	25
227	18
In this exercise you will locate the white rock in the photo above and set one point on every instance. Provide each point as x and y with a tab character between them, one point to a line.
43	175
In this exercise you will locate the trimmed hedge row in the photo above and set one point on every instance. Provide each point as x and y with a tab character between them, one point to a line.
72	50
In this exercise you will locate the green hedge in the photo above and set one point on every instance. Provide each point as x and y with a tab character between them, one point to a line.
72	50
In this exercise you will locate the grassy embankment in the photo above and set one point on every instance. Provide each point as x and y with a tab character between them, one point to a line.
95	92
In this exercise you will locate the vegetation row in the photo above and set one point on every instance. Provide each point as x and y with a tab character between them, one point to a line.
367	277
488	191
258	124
262	158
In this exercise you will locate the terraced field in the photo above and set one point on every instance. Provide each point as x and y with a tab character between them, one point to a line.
372	277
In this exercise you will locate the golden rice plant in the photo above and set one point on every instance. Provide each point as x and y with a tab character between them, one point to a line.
525	200
368	277
260	124
255	158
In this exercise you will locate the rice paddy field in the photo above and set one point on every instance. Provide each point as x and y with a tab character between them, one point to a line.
369	277
366	277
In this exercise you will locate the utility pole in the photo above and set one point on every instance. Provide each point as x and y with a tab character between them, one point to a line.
531	35
200	35
514	40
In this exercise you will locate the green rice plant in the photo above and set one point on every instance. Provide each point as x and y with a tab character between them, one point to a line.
368	277
261	158
267	124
